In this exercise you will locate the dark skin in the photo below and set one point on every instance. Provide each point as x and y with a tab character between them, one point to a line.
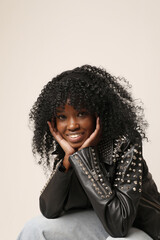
75	130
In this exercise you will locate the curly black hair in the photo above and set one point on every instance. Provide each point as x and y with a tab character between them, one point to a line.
96	90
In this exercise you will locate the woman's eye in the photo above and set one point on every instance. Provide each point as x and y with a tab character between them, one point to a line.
61	117
82	114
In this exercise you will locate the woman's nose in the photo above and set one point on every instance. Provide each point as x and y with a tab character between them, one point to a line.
73	125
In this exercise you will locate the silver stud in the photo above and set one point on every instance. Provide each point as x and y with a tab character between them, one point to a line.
135	182
99	192
128	175
76	156
128	181
89	176
101	180
134	189
140	170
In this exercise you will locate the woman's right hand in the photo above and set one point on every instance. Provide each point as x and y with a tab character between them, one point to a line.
63	143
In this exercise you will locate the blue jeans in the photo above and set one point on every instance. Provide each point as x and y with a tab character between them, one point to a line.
77	225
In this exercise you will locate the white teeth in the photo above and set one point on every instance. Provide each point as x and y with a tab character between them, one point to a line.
74	136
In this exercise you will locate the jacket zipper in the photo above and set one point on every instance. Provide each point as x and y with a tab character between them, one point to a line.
151	203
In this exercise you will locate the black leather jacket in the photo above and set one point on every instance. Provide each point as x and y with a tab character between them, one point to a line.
115	181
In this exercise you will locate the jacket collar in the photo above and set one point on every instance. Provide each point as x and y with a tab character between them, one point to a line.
109	149
106	150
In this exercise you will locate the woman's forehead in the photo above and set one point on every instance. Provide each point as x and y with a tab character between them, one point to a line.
69	107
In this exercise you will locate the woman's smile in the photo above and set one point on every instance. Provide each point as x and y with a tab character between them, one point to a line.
75	137
75	126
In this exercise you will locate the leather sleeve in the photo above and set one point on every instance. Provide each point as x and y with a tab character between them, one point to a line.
54	194
114	203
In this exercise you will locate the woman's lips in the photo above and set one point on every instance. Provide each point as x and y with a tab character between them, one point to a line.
74	138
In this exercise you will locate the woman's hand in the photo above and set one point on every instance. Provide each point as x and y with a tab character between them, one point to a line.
94	138
63	143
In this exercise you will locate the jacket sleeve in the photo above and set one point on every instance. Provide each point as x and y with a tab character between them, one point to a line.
54	193
114	203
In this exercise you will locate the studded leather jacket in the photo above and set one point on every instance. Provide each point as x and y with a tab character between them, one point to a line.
114	180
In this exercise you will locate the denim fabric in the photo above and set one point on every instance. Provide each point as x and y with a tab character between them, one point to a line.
76	225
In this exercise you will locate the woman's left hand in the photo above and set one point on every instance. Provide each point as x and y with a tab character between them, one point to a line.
94	138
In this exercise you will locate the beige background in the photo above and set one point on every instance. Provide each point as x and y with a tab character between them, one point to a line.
39	39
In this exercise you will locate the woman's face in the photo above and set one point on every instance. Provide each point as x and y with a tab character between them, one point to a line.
75	126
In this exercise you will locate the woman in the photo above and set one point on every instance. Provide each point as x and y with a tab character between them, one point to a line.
88	128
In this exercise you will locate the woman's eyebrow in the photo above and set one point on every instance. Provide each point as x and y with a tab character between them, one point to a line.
59	111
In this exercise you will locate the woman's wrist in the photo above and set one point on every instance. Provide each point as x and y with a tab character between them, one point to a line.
66	162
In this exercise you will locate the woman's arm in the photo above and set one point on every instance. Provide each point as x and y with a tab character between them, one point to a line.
54	194
116	204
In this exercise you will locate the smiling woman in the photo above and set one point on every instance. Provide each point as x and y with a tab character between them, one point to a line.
99	183
75	126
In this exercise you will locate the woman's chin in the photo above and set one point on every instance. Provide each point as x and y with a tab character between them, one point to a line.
76	146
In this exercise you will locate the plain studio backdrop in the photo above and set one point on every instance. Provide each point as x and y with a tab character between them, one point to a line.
40	39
